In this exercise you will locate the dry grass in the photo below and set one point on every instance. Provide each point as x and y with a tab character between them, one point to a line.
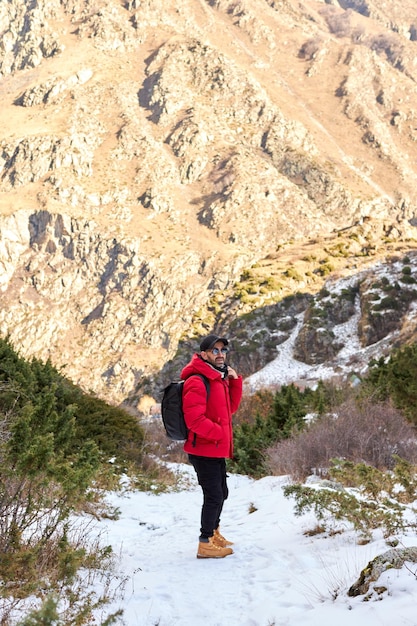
258	403
158	444
360	432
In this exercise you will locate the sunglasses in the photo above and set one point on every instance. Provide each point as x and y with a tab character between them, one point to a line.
217	351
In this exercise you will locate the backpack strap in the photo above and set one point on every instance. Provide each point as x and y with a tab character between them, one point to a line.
205	381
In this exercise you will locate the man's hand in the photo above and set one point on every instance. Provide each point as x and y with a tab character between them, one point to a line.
231	372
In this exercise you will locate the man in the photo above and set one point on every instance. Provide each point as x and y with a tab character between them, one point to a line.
210	440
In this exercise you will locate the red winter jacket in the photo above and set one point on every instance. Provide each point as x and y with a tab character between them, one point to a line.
210	420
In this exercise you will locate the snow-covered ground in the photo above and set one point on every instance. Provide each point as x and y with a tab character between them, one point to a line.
277	575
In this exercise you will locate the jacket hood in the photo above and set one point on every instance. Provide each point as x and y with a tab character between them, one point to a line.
197	365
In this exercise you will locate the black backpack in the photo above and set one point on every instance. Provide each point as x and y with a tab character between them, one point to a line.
171	409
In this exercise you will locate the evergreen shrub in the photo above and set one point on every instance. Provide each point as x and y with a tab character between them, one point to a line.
395	378
252	439
54	442
115	432
363	496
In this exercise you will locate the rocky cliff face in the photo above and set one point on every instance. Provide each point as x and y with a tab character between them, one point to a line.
151	155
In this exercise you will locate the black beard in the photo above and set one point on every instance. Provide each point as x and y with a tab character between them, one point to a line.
220	368
223	369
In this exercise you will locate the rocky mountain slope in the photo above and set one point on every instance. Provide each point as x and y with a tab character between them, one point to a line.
171	168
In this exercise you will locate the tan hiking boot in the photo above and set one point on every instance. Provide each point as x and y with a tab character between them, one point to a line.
221	541
211	550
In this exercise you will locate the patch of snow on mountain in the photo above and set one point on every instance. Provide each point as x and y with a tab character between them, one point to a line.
352	358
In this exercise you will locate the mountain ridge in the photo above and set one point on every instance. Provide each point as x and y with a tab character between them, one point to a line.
153	156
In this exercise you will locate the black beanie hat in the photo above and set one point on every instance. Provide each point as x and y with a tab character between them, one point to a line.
209	341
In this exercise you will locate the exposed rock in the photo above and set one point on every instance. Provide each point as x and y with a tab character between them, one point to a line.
108	27
26	35
316	345
68	289
395	558
31	158
53	89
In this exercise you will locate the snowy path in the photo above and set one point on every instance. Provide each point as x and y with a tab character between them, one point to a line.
276	577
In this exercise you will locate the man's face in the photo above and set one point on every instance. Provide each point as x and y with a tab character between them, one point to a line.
215	356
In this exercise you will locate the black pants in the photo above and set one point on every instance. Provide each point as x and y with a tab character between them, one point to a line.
212	478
